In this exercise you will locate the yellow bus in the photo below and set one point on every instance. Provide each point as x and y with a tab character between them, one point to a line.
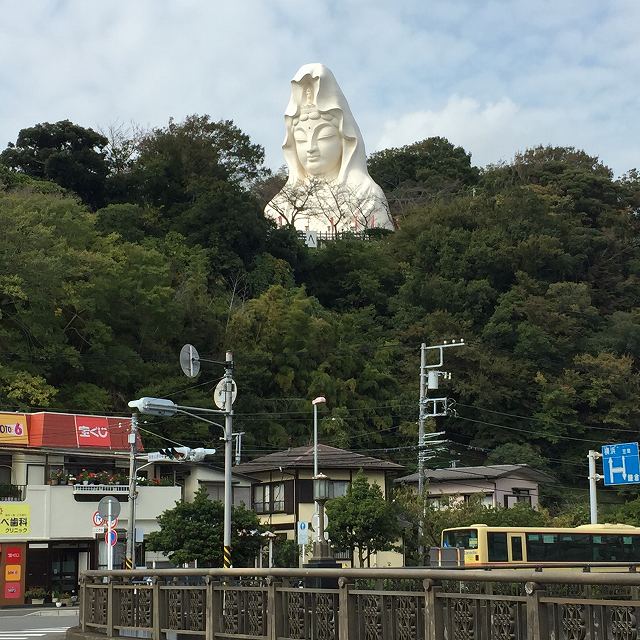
484	545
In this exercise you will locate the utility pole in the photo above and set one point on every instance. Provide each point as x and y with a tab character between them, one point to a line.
431	407
130	560
421	415
593	480
228	455
224	396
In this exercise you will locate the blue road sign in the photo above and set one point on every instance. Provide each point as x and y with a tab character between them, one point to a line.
621	463
111	537
303	532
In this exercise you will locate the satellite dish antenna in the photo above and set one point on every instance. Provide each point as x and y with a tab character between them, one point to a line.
189	361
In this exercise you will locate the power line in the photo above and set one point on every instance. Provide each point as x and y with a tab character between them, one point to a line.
544	420
502	426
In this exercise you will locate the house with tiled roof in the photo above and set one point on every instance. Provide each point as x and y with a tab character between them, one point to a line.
500	485
282	493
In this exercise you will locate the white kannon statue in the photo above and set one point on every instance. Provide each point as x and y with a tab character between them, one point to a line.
329	188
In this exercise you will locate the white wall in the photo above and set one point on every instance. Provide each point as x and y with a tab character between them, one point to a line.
55	514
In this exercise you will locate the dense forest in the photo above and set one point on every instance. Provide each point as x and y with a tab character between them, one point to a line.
121	246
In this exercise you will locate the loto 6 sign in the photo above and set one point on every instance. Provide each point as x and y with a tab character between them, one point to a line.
13	428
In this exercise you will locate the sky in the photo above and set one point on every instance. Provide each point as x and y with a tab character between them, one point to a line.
493	76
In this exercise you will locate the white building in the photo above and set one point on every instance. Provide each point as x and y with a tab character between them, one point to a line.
47	529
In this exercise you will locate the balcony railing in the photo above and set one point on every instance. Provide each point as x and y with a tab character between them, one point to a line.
12	492
83	489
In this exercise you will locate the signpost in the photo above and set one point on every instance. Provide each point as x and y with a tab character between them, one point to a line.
109	510
303	532
621	463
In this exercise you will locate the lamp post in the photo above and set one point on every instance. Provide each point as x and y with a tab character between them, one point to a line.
315	402
321	485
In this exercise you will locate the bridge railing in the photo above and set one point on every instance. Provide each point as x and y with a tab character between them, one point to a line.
362	604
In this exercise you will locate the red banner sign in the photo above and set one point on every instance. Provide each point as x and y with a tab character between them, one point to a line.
93	431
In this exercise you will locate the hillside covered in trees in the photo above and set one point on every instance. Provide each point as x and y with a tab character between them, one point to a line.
118	248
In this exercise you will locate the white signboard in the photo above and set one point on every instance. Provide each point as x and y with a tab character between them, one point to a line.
311	239
303	532
156	456
220	393
315	521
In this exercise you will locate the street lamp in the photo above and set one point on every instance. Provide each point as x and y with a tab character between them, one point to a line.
321	488
315	402
166	408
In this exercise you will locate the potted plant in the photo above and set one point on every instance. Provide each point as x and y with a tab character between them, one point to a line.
55	476
36	595
65	599
87	477
103	477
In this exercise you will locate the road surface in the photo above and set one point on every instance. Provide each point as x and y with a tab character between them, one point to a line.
42	624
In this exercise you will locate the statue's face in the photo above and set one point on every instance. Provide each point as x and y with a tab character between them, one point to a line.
319	147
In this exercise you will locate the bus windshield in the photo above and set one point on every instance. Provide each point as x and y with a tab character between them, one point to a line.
467	538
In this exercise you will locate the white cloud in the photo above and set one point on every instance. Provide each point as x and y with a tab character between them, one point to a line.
492	75
491	132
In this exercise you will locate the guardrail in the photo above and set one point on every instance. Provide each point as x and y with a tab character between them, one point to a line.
362	604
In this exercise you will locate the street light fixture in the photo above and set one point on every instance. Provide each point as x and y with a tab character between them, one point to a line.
315	402
166	408
321	487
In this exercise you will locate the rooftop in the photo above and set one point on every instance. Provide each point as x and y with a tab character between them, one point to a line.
487	472
328	458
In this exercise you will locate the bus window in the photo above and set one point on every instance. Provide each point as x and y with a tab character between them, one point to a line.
467	538
497	547
516	548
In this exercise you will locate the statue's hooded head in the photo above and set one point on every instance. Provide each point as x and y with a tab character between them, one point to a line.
318	109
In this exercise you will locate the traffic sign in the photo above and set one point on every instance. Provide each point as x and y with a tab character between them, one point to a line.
303	532
100	521
315	521
111	537
220	393
109	507
621	463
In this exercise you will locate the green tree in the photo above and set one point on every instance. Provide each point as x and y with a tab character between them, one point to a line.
424	519
65	153
285	552
363	520
194	531
419	172
194	177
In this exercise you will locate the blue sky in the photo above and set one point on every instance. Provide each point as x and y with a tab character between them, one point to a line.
493	76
